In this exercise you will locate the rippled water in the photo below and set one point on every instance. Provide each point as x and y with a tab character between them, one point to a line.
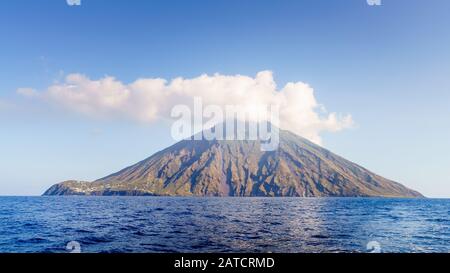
161	224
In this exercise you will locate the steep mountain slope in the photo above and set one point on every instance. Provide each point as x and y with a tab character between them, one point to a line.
239	168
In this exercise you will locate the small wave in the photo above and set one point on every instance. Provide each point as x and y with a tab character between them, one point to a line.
320	236
36	240
96	240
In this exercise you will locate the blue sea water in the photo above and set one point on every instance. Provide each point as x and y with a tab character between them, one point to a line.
162	224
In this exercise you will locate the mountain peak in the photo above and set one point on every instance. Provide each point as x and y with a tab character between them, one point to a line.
215	167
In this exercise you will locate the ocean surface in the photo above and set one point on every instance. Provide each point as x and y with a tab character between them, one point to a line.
162	224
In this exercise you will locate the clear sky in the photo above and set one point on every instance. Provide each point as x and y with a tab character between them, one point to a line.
388	66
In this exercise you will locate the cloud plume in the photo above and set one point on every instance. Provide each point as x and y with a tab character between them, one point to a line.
150	99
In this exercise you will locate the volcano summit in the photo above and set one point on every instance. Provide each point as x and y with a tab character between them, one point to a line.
298	168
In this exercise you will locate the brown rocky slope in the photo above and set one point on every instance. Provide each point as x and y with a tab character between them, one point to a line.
239	168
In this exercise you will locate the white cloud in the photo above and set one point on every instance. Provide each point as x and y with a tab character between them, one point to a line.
27	92
151	99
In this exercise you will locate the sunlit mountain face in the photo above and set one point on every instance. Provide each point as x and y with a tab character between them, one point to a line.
297	168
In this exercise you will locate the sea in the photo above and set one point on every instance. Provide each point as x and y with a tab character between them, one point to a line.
61	224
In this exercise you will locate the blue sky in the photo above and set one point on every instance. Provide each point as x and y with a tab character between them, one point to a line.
388	66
